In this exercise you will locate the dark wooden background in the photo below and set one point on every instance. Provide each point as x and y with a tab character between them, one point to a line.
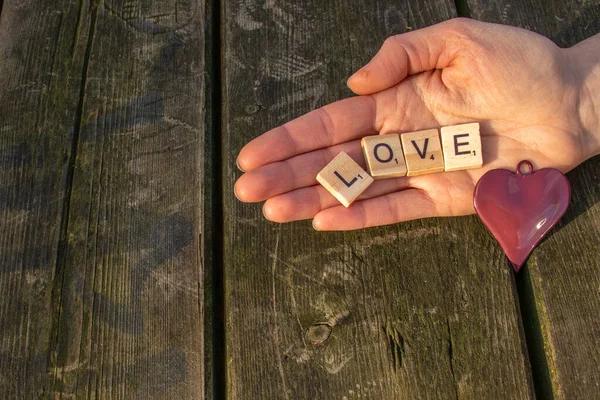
128	269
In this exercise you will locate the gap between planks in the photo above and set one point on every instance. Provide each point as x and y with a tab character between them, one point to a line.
532	329
215	305
462	8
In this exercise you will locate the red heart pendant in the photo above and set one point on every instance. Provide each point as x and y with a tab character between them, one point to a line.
520	209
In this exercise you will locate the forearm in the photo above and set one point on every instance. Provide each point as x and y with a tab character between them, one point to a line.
585	58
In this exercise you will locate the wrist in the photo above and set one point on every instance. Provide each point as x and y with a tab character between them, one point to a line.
585	59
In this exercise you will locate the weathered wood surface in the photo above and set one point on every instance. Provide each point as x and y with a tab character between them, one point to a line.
426	309
39	91
561	281
106	225
102	154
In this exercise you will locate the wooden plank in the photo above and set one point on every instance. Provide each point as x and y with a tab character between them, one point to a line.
129	315
40	77
132	318
561	283
426	309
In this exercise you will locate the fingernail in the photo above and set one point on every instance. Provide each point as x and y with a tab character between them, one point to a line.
235	193
264	213
237	163
357	74
314	226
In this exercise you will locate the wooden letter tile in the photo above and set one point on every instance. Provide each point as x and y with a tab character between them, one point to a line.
384	157
423	152
344	179
462	147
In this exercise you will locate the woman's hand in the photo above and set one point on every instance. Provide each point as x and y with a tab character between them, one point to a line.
524	90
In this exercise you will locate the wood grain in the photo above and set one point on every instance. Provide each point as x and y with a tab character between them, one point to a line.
561	282
109	112
40	81
426	309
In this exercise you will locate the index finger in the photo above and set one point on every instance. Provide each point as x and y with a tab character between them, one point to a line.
332	124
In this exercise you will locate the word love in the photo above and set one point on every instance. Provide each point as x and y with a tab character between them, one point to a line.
408	154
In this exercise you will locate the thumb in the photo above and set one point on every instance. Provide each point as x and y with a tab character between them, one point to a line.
408	54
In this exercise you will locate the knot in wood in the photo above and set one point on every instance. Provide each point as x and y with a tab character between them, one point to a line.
318	333
252	109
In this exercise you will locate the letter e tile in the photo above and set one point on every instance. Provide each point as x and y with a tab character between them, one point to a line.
462	147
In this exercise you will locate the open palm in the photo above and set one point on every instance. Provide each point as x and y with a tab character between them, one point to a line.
517	84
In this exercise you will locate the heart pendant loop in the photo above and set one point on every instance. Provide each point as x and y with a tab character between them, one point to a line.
528	168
